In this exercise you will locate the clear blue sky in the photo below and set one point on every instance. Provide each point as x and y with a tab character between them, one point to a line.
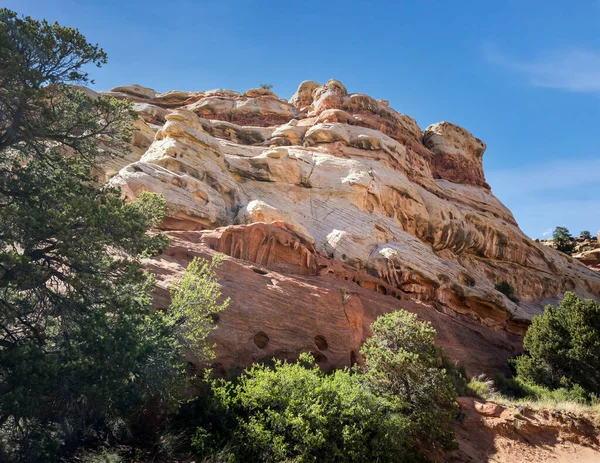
524	76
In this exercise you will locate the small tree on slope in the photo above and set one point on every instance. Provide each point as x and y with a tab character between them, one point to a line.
563	346
402	359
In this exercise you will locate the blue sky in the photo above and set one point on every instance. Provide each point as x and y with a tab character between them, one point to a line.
524	76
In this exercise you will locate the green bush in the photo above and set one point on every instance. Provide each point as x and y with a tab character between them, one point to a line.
586	235
507	289
562	239
457	374
403	360
481	387
195	300
403	397
295	412
518	389
563	346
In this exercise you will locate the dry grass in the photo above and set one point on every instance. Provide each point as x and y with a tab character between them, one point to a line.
483	387
575	408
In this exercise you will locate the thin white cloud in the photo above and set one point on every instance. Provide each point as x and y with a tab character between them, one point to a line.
571	69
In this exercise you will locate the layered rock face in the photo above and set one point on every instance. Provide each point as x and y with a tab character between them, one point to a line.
333	209
585	249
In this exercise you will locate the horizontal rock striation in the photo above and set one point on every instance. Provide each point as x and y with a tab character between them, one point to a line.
349	208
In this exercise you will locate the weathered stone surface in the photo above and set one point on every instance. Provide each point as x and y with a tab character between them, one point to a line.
403	217
456	152
585	249
291	298
488	409
590	258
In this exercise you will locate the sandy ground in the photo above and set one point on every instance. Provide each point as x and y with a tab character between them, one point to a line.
487	432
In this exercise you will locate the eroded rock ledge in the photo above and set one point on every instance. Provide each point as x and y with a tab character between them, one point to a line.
343	202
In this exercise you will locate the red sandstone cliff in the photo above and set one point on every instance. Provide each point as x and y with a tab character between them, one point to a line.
335	208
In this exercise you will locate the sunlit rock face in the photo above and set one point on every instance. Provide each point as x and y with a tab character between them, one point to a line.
335	208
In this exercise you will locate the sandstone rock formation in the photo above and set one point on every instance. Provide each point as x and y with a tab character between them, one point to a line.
585	249
590	258
335	208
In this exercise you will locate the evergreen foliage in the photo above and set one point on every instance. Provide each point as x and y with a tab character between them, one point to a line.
81	353
563	346
195	302
563	239
295	412
507	289
403	360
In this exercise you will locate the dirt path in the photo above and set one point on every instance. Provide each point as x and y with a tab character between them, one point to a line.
487	432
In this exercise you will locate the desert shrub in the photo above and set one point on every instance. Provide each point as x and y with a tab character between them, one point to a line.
295	412
101	456
516	391
480	386
507	289
266	86
562	346
457	375
586	235
402	360
562	239
195	300
513	388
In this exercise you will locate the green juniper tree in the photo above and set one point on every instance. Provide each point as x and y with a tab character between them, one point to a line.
562	239
563	345
79	348
402	359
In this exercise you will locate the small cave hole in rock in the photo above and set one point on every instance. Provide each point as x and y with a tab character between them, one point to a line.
261	339
214	318
319	357
352	358
259	271
321	342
